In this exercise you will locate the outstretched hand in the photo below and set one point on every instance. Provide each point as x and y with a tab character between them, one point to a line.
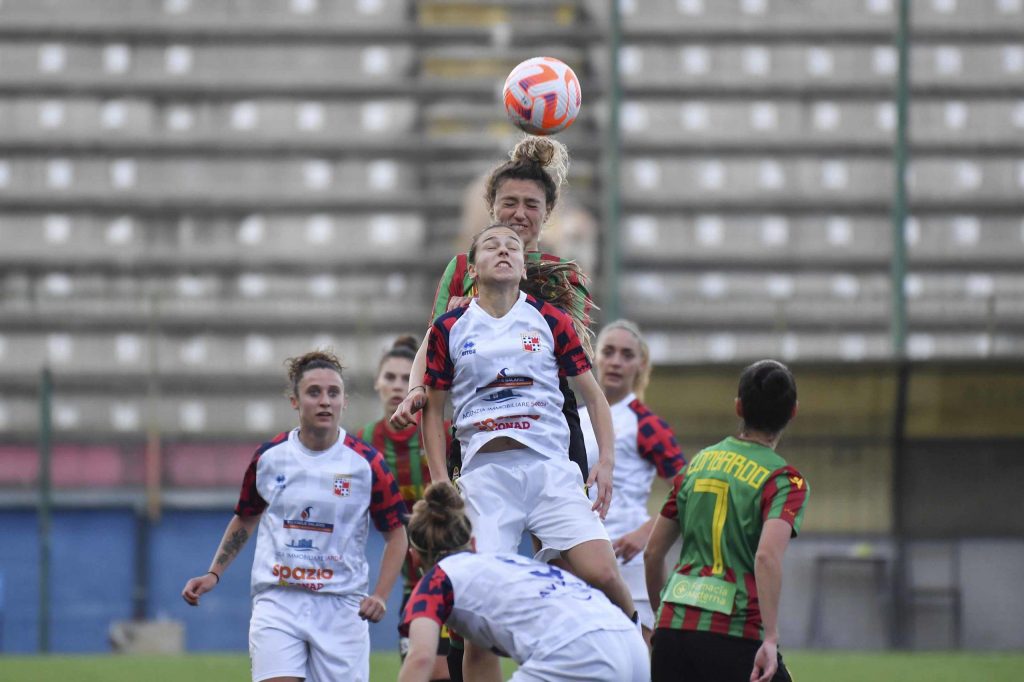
198	586
766	662
372	608
601	476
405	413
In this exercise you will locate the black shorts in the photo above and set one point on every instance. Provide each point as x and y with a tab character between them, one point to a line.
686	655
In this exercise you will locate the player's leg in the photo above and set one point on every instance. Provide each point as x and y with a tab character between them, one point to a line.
561	517
490	489
339	640
277	649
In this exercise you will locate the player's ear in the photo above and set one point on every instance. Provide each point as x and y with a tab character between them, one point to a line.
294	401
796	408
472	271
739	408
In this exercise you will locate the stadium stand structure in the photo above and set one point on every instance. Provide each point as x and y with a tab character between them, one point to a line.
193	191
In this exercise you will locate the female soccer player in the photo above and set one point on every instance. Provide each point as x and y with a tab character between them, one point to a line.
553	625
522	192
501	358
406	460
737	505
312	493
644	446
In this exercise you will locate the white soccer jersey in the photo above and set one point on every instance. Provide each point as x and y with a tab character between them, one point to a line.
503	373
316	509
511	603
644	445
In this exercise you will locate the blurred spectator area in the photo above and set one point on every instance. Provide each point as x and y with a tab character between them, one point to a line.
193	190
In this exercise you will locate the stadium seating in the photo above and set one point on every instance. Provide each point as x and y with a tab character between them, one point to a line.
194	185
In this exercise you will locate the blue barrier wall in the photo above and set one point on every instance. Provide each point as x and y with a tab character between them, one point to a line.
92	578
93	561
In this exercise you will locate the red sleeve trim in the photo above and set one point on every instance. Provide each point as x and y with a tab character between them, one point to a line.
387	508
433	598
250	502
655	441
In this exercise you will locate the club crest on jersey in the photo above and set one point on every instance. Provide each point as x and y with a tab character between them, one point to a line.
531	342
342	485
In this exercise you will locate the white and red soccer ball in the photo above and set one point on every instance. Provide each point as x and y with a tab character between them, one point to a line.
542	96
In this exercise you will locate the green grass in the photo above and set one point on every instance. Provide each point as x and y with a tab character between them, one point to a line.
806	666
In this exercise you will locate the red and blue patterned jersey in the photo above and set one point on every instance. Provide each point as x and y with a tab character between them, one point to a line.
512	604
644	446
504	373
315	510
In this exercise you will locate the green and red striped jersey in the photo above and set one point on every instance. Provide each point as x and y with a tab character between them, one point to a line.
721	501
456	282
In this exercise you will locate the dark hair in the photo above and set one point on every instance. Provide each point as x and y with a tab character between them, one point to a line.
439	525
476	239
404	346
540	159
316	359
768	394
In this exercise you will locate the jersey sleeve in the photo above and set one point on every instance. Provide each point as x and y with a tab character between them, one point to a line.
452	283
250	502
440	369
572	360
656	443
432	598
387	509
784	496
670	510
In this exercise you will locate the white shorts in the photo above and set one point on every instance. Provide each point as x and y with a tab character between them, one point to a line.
509	492
633	575
297	633
619	655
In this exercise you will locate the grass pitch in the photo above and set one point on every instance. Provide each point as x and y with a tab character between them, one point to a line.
806	666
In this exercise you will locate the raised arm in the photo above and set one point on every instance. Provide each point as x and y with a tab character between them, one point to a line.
238	532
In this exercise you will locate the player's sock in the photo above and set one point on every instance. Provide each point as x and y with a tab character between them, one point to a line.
455	656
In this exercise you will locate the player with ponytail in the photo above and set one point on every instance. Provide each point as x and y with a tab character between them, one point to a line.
556	627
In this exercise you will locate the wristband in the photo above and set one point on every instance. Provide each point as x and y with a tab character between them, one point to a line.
414	388
215	576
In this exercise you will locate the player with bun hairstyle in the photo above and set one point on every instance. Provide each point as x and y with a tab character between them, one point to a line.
644	446
502	359
312	493
737	504
406	460
521	192
555	626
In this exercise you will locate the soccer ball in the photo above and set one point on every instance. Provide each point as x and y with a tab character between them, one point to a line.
542	96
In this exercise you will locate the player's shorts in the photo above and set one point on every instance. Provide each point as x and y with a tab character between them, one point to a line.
619	655
633	575
442	639
297	633
512	491
705	657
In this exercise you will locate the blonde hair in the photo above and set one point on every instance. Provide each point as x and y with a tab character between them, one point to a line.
643	376
439	525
